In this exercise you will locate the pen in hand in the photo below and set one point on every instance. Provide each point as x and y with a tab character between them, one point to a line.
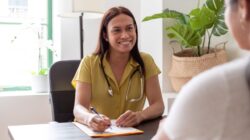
94	111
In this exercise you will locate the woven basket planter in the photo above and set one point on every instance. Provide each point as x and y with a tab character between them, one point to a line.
184	67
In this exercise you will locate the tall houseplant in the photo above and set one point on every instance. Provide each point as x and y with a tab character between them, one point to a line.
194	32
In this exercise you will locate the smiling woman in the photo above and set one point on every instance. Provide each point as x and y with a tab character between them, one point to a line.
20	22
117	78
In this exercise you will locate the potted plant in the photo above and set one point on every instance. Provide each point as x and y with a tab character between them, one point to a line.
40	81
194	32
40	75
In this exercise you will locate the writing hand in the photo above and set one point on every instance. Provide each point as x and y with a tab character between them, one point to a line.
129	118
99	124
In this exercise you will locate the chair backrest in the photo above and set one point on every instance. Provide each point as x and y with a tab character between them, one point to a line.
62	93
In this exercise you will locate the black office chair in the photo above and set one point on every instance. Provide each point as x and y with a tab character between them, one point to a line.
62	93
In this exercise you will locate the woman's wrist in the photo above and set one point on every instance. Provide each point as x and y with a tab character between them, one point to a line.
141	116
85	118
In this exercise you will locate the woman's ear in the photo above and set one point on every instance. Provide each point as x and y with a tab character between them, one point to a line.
105	36
244	9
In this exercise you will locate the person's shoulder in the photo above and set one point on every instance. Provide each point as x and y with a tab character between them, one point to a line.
202	93
208	93
216	79
238	64
146	56
91	58
147	59
232	68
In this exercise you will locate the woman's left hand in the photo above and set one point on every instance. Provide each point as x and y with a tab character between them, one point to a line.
129	118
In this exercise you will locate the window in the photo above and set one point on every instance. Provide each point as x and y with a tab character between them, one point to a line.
23	30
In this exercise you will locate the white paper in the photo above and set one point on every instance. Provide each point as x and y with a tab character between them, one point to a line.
112	130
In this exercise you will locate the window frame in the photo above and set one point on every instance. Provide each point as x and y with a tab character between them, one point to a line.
49	52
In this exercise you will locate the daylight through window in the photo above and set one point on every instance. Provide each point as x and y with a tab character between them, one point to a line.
23	35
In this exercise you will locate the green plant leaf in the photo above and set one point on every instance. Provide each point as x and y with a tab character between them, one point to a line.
200	18
201	23
214	5
185	35
43	71
218	7
180	17
220	27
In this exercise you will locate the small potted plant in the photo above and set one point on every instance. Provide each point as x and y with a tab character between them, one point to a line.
40	75
194	32
40	81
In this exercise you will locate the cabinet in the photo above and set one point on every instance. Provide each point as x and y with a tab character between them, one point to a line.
68	37
168	99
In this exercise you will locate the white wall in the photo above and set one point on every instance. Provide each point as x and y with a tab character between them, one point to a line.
91	33
69	38
21	108
152	33
66	27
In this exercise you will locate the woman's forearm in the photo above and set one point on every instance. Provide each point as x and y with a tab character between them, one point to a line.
82	114
153	111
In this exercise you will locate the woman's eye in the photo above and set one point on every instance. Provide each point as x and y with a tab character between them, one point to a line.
116	30
130	28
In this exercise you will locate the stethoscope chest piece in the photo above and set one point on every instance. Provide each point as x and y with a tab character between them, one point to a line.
110	92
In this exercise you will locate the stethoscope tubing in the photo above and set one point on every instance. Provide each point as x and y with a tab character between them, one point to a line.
110	91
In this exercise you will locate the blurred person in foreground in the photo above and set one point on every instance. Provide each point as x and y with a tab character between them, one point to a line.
215	105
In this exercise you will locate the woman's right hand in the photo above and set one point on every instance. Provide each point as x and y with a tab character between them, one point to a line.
99	123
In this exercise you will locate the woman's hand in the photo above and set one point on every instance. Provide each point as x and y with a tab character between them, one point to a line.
129	118
99	123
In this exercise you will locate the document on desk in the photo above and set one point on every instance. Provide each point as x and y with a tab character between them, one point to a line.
112	131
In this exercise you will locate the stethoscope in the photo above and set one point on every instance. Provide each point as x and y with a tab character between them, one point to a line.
110	91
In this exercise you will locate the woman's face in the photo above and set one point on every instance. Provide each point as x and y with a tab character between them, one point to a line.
121	34
236	25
